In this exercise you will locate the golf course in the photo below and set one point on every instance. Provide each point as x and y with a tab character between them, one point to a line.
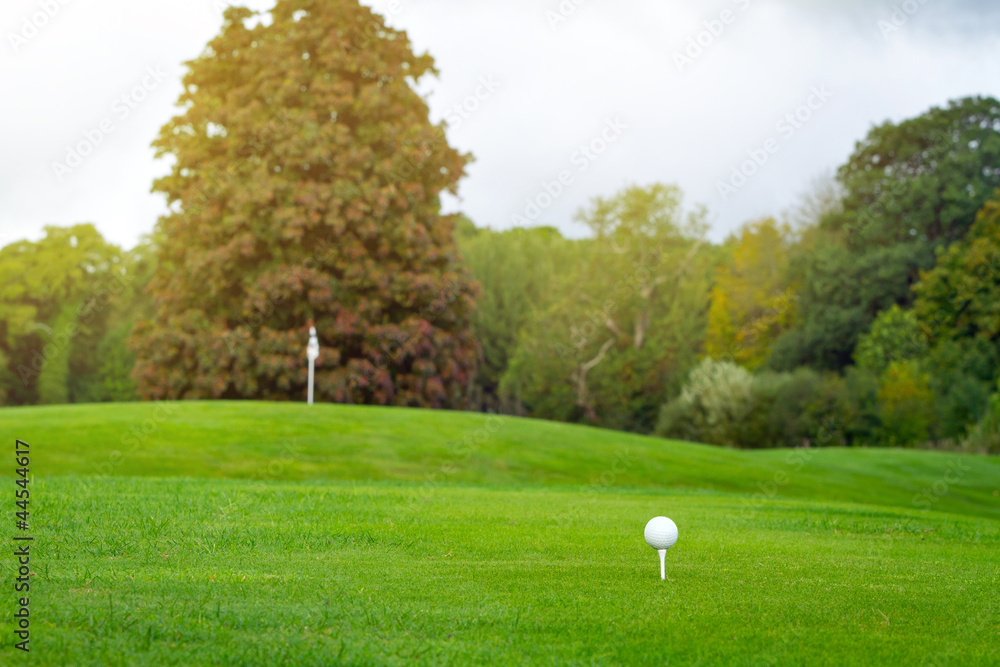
273	533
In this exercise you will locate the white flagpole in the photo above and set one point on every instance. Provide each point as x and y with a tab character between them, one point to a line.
312	352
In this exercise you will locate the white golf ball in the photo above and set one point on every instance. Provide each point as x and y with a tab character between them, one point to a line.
661	533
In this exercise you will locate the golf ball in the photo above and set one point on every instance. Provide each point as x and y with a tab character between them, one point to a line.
661	533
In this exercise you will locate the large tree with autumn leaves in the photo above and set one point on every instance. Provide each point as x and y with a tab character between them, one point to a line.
305	185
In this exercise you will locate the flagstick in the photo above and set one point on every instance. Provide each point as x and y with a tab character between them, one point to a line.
312	352
312	364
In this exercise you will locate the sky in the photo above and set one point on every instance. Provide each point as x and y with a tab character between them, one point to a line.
744	104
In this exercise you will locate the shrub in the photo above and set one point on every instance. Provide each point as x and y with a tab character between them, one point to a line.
895	336
985	436
711	407
907	404
722	404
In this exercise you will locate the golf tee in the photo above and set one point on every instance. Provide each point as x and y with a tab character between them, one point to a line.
663	567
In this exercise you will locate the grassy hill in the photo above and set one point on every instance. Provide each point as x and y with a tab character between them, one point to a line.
285	441
250	533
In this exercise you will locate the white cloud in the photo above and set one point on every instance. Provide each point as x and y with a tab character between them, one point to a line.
558	87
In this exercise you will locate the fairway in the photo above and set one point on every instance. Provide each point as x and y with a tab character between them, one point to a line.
247	533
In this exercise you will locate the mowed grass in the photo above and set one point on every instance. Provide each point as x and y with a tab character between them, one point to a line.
242	533
286	441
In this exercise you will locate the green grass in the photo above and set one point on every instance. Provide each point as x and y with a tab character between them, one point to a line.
247	533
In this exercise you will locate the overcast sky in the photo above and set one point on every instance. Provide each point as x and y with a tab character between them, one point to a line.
619	78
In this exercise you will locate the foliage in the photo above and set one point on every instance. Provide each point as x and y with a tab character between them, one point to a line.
909	189
54	376
114	380
963	373
907	404
985	436
958	298
57	296
712	407
723	404
751	302
862	416
305	185
895	336
628	324
517	270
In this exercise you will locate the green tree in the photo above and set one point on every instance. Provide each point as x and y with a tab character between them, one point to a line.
111	379
959	297
516	270
907	404
985	436
627	326
306	184
909	189
894	336
956	308
55	301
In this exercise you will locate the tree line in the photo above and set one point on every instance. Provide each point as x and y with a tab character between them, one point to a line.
305	185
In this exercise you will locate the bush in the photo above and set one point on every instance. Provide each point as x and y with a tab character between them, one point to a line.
723	404
862	416
895	336
711	407
984	437
808	408
963	374
907	404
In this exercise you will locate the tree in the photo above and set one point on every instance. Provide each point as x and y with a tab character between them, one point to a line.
751	301
907	404
305	184
959	297
956	309
985	436
628	325
56	296
895	336
114	362
516	270
909	189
